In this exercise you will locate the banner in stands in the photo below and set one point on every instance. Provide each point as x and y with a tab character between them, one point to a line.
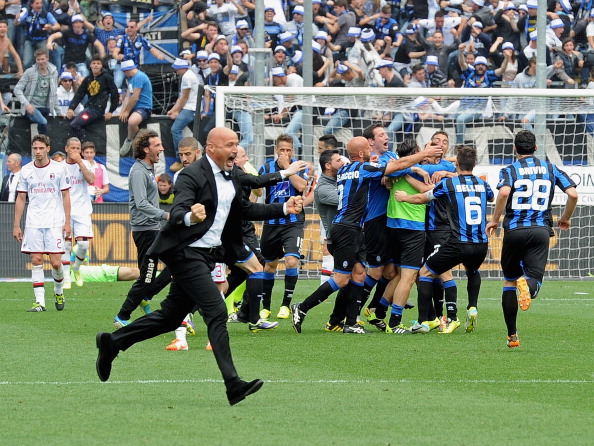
162	32
112	244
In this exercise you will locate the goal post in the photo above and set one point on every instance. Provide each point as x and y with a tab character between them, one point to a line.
485	118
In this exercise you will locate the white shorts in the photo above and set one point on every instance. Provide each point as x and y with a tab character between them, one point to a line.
219	273
43	241
81	227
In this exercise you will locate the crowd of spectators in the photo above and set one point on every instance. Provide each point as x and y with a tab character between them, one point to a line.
372	43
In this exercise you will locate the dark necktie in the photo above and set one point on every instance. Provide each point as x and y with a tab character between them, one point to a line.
10	178
226	175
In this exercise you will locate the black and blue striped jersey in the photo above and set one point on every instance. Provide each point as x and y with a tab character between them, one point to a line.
281	192
437	214
532	182
465	199
353	191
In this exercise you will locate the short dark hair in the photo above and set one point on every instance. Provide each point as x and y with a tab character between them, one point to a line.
165	177
329	141
70	65
408	147
417	67
284	137
88	145
368	131
96	57
142	141
188	141
466	158
326	157
41	138
525	142
440	13
39	52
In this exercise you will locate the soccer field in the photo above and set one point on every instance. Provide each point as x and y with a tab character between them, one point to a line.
320	388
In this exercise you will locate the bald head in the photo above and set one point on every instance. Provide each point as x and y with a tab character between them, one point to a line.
359	149
241	157
221	147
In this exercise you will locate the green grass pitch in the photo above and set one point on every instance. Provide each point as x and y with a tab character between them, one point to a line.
320	388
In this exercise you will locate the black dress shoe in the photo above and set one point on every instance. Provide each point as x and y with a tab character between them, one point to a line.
240	389
107	353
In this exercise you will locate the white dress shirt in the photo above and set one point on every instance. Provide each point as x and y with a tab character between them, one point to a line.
225	193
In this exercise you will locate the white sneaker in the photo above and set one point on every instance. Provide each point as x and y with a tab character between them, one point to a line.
177	345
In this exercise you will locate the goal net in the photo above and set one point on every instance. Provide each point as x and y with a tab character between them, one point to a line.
487	119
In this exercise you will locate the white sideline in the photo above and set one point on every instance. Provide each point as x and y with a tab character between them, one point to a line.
297	381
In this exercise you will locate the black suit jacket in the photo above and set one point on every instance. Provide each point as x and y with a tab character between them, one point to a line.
5	189
196	184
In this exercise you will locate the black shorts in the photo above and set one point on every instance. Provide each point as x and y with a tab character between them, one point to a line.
525	251
278	241
406	247
447	256
435	239
347	246
376	242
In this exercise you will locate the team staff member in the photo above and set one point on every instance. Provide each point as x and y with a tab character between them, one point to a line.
205	220
526	190
465	198
145	219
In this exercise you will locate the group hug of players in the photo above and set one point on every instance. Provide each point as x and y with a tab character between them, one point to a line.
412	216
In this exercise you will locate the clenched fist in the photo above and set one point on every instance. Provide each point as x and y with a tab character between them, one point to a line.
198	213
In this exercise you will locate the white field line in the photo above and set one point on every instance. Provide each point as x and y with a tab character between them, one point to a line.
297	381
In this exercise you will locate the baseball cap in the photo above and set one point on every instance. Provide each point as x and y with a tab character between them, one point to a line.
367	35
185	53
507	46
533	35
280	48
214	56
523	8
316	47
532	4
511	6
480	3
297	57
421	100
220	37
478	25
77	18
180	63
278	71
269	8
236	49
556	23
234	70
354	31
321	35
285	36
342	68
242	24
432	60
383	63
566	5
128	65
481	60
202	55
66	75
298	10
